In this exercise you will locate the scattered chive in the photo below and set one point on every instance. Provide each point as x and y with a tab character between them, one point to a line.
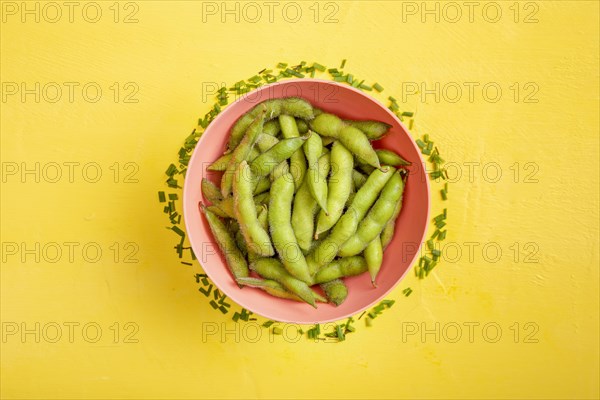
268	324
378	87
318	66
186	263
444	194
343	63
161	197
277	330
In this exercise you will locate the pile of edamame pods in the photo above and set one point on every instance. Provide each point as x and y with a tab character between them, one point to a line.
304	200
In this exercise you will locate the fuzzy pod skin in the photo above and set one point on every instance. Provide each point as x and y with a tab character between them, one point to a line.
275	289
374	222
210	191
352	138
235	259
291	105
336	291
218	212
280	225
272	128
340	268
298	166
388	157
327	249
373	130
265	142
271	268
263	220
388	232
221	163
305	208
368	193
257	239
339	189
264	164
374	258
302	126
358	179
241	153
313	148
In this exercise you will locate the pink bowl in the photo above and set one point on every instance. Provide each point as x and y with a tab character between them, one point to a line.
411	226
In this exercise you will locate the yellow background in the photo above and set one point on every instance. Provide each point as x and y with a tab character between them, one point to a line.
169	53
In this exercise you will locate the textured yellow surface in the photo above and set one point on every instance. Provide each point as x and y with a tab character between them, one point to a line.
540	293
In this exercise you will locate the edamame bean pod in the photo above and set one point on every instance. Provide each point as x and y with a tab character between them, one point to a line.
218	212
342	267
271	268
261	199
262	185
326	250
244	209
280	210
235	260
263	220
274	288
221	163
281	169
374	130
265	142
289	129
340	186
374	258
367	194
388	232
210	191
272	128
291	105
352	138
378	216
388	157
226	205
264	164
241	152
313	147
305	208
358	178
302	126
336	291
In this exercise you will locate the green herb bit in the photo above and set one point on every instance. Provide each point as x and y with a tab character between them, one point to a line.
281	65
318	66
343	63
368	322
444	195
366	87
277	330
378	87
161	197
267	324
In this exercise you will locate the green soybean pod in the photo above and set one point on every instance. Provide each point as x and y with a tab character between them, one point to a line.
305	208
218	212
263	220
272	128
297	107
221	163
302	126
388	157
241	125
327	125
210	191
289	129
281	169
262	185
367	194
378	216
271	268
280	225
235	260
388	232
261	199
327	249
313	147
358	178
336	291
374	258
340	186
342	267
275	289
226	205
264	164
374	130
241	153
244	208
352	138
265	142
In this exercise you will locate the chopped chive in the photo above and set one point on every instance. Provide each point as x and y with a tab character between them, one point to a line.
444	194
368	322
420	144
410	114
340	79
236	317
349	78
378	87
277	330
281	65
173	196
361	315
343	63
365	87
445	212
161	197
213	304
318	66
177	230
268	324
430	244
442	235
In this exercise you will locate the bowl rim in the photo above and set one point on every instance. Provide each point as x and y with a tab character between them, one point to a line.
195	153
